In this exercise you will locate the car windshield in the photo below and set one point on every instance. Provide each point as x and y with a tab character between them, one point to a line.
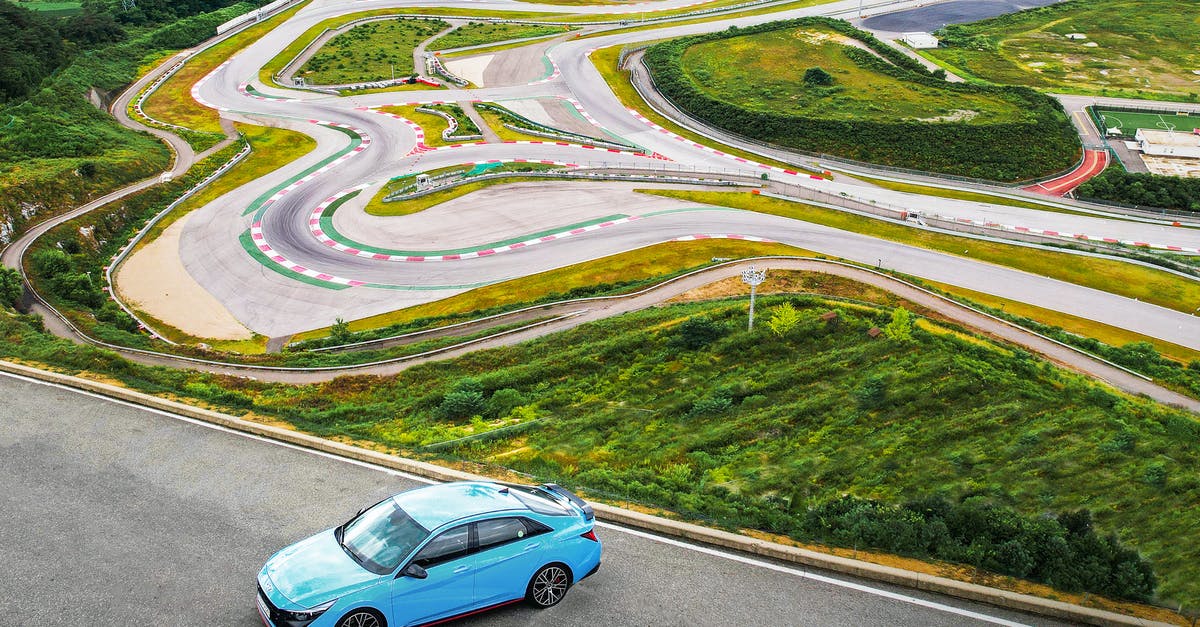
381	537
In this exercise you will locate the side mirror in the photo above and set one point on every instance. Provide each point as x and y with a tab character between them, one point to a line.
415	571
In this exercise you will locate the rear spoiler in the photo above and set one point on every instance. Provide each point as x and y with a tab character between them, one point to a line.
554	488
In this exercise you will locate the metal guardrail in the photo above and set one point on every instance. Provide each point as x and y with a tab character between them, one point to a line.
128	248
451	125
573	175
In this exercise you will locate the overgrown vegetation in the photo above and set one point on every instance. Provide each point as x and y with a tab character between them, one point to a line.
66	264
373	51
480	33
1129	48
1114	184
971	130
755	429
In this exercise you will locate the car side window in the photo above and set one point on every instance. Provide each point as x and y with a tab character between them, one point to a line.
499	531
450	545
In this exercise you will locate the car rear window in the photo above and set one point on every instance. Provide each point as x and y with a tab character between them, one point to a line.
539	502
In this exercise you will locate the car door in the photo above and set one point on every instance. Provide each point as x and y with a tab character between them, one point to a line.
448	587
509	551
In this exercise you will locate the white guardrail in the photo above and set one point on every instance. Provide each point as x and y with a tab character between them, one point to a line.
253	16
128	248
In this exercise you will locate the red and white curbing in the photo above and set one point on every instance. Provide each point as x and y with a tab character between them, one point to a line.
553	75
762	166
256	232
314	226
423	147
702	236
260	241
366	142
1072	236
243	90
200	83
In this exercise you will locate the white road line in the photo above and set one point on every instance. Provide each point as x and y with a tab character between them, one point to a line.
807	575
641	534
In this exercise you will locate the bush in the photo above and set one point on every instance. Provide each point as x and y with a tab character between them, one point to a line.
11	288
817	76
698	332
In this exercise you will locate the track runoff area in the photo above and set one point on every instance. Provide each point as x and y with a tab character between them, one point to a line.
1126	123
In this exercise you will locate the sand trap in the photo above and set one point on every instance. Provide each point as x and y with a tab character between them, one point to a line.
154	280
471	68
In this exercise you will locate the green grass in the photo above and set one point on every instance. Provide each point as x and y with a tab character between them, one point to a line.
377	207
605	60
617	408
271	149
173	103
479	33
1129	121
1132	281
765	72
370	52
432	125
51	8
1137	49
645	265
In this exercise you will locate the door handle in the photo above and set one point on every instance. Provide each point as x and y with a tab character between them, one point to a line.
461	569
533	546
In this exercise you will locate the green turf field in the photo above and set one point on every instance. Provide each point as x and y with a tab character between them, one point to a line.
1128	121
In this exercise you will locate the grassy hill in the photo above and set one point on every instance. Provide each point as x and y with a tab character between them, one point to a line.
822	86
1130	48
680	407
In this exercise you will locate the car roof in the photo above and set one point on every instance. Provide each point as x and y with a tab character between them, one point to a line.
435	505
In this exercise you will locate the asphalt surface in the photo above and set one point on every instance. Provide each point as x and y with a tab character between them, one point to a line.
935	16
116	515
275	305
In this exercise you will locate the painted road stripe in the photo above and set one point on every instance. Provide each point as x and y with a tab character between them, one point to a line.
750	561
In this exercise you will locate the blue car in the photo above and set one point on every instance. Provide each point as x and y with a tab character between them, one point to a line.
433	554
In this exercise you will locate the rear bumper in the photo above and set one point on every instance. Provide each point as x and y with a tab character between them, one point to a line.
591	572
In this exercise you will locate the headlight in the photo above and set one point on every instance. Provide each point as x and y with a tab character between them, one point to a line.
306	616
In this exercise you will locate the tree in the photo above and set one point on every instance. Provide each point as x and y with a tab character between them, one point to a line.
698	332
11	288
339	331
901	326
784	318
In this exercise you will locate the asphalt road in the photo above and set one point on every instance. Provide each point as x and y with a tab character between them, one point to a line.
933	17
112	514
275	305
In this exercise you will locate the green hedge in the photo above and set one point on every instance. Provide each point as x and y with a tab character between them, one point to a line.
1005	152
1149	190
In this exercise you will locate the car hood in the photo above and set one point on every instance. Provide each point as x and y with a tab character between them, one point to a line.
314	571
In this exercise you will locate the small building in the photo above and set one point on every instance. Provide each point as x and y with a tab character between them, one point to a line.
1168	143
920	41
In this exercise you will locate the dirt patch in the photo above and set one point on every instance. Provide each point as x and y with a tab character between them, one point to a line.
154	280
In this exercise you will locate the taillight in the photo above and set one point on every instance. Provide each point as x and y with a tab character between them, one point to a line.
591	535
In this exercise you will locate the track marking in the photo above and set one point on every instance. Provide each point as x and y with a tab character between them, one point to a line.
641	534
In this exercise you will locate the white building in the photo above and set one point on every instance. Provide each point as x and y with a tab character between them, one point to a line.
920	40
1168	143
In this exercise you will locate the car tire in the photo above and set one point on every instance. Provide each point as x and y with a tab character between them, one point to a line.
548	585
362	618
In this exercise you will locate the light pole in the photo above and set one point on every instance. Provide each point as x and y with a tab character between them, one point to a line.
753	278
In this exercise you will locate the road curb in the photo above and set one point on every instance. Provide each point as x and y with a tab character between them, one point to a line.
688	531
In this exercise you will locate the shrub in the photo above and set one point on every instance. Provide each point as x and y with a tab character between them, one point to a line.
817	76
784	318
461	404
698	332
